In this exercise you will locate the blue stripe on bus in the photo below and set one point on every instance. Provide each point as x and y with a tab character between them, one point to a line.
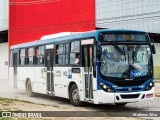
71	37
122	89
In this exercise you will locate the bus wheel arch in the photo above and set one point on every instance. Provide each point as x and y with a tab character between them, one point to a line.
70	85
29	88
74	94
27	80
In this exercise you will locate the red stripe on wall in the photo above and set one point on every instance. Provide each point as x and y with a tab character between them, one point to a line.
32	19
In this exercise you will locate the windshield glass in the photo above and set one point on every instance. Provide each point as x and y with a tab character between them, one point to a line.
125	61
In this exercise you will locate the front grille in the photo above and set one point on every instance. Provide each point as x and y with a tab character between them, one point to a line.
126	90
124	83
121	82
130	96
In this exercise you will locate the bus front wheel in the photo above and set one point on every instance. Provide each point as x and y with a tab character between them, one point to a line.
74	96
29	89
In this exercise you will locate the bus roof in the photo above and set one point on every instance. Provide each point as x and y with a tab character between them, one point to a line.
65	38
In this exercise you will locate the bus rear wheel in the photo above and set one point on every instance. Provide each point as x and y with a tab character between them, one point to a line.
74	96
29	89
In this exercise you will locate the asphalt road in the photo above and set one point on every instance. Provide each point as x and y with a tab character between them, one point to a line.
8	92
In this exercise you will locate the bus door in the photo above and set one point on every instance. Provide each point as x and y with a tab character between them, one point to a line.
15	61
49	68
87	58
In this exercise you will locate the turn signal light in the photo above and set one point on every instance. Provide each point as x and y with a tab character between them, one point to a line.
149	95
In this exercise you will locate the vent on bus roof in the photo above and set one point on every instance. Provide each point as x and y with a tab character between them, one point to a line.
57	35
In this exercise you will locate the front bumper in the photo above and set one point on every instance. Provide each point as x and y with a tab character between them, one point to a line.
102	97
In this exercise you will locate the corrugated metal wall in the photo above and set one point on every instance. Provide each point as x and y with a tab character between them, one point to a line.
130	14
3	15
156	61
3	61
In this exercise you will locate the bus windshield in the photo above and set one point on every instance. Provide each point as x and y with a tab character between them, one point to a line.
125	61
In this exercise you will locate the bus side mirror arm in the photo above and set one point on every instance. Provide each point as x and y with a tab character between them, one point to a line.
153	47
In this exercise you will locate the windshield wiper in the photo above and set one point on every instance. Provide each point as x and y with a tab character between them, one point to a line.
119	49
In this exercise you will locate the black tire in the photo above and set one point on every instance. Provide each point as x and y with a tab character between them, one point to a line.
120	104
29	89
74	96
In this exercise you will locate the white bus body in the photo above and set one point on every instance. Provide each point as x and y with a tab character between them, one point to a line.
48	70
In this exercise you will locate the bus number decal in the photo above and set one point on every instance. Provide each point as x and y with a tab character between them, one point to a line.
64	73
57	73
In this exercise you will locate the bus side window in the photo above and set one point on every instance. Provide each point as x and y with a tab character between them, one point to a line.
30	57
11	58
75	53
22	57
94	61
59	54
62	54
39	59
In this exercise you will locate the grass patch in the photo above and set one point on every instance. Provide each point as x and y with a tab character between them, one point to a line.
23	118
5	109
5	104
6	118
4	99
24	101
9	109
7	100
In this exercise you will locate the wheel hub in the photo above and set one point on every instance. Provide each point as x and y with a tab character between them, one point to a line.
75	95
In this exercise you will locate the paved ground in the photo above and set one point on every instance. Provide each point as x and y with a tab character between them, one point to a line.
8	92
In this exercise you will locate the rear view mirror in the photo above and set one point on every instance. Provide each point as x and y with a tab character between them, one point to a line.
153	49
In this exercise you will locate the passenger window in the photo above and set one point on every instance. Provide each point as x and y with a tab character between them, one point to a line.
75	46
62	54
75	53
40	55
22	57
31	54
11	59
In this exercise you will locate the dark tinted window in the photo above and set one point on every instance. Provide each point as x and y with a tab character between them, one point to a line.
75	53
31	54
62	54
22	57
40	55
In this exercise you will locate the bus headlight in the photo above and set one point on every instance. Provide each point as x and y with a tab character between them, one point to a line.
149	86
106	88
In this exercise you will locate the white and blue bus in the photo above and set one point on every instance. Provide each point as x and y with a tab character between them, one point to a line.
100	67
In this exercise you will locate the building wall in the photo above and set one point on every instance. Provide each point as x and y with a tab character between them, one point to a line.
130	14
3	15
156	59
30	20
4	61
